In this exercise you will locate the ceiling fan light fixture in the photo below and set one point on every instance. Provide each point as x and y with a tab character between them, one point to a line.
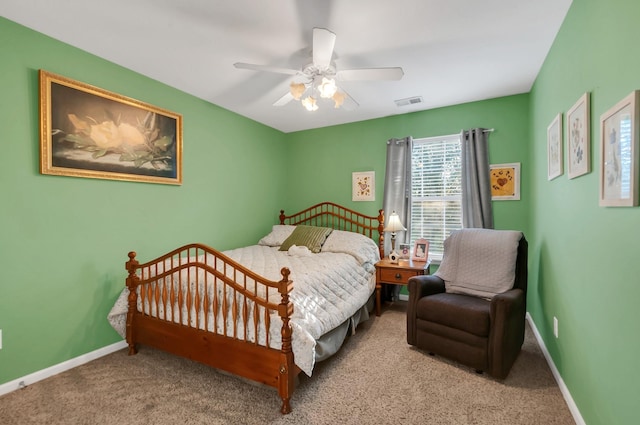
338	98
309	103
327	88
297	90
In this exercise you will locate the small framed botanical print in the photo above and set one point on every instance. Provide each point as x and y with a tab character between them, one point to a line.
578	138
554	148
619	153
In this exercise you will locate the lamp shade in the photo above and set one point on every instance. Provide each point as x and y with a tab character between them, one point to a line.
394	224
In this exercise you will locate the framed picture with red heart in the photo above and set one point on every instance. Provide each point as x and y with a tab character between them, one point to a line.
505	181
363	186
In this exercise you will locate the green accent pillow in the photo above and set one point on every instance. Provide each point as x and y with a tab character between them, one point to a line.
310	236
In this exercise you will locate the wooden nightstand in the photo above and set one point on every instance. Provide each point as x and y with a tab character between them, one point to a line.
397	274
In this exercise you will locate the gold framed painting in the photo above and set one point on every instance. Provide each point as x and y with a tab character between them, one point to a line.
619	153
89	132
505	181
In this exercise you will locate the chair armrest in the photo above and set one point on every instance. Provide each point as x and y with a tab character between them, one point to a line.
419	286
507	317
506	304
422	286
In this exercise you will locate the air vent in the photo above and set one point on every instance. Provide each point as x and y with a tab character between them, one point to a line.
409	101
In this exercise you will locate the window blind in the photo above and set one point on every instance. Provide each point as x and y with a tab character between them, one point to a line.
436	189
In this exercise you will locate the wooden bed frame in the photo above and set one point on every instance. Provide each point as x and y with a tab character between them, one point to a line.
229	350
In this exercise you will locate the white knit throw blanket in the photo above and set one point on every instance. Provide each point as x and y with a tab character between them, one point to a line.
479	262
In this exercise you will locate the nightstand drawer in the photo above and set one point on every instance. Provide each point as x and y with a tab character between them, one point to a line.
397	275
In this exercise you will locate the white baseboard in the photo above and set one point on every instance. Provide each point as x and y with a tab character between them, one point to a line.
575	412
32	378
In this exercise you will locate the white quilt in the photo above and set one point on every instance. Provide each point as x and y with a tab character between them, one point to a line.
328	288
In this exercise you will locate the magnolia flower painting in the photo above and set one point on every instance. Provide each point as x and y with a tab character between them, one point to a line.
95	133
138	144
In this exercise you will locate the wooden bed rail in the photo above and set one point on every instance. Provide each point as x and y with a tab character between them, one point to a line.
332	215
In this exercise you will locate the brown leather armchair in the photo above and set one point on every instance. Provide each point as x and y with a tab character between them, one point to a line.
484	334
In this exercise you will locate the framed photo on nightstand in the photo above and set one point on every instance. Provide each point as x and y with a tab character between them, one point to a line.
420	250
405	251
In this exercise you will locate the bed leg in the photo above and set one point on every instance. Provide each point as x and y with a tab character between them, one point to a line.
132	349
286	407
286	386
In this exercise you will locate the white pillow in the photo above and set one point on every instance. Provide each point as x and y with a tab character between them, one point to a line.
278	234
363	248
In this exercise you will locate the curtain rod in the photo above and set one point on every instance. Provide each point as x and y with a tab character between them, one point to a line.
486	130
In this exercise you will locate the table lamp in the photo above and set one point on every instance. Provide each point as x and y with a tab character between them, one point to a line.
394	225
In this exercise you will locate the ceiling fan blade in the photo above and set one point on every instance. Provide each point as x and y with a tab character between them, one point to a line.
343	100
266	68
284	99
370	74
323	43
350	103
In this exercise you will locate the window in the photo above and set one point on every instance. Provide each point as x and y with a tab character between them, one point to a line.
436	190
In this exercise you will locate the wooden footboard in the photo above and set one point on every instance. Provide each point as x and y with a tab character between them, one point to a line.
198	303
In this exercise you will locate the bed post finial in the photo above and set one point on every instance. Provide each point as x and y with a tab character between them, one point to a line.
282	216
381	232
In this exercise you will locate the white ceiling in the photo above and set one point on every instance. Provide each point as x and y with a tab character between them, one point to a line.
451	51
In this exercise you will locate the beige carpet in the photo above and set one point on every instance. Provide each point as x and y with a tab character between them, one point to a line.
375	378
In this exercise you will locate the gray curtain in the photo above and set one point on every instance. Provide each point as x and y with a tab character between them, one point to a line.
397	187
476	185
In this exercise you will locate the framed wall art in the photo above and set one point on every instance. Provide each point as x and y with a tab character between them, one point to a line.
619	153
505	181
578	138
554	148
420	250
363	186
89	132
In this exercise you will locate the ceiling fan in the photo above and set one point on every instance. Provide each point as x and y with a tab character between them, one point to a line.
318	78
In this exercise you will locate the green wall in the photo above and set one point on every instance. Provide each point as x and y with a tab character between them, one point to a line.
584	264
326	157
64	241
